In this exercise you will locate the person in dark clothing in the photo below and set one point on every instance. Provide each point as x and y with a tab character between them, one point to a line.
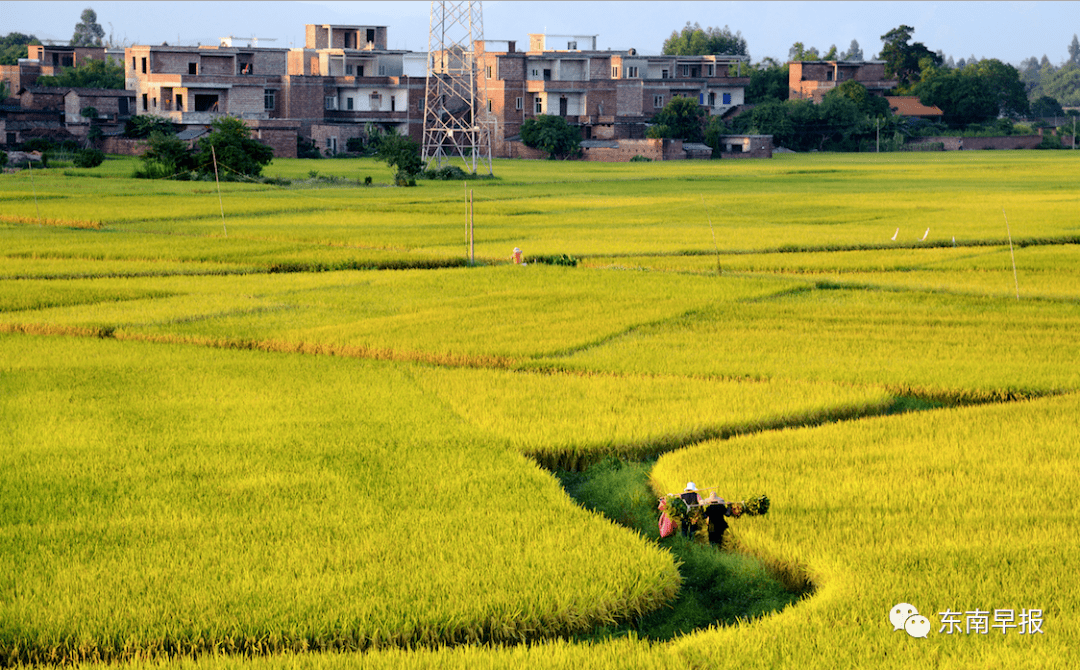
716	513
693	500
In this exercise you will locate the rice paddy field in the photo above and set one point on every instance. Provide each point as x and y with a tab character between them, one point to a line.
291	426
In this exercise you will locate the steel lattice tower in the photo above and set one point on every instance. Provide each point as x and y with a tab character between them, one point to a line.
456	120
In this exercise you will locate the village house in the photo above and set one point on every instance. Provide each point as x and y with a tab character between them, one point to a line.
608	95
343	79
812	80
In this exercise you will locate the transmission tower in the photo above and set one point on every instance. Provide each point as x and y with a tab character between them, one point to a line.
456	120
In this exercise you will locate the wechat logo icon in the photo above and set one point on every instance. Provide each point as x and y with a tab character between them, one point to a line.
906	617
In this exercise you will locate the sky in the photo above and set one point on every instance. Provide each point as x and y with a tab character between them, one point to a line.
1008	31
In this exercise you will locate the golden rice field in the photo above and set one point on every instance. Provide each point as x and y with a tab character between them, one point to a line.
306	434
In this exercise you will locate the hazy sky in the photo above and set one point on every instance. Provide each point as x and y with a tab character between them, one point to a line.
1009	31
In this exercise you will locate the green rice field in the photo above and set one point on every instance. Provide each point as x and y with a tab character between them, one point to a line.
295	427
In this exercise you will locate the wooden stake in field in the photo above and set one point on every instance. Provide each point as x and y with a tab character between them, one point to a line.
30	166
715	247
1015	280
213	154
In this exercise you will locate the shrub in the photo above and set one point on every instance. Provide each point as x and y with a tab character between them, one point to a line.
555	259
89	158
448	173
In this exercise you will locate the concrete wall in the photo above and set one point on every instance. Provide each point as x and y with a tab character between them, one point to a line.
983	143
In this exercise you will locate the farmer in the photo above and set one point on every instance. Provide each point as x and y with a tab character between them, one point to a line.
716	513
692	499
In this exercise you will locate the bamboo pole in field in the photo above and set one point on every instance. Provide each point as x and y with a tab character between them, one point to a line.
472	237
713	231
1013	255
213	154
30	166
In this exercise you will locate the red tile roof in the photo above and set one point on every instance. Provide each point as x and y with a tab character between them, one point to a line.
909	105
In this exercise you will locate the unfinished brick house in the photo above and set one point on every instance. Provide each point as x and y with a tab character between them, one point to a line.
609	95
345	78
812	80
47	61
341	80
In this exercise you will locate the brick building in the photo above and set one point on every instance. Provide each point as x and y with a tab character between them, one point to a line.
609	95
811	80
47	61
343	79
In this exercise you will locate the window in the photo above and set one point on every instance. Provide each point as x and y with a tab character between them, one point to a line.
179	102
631	72
349	103
330	102
547	74
686	70
490	71
571	46
535	72
132	63
393	103
517	103
268	99
155	103
144	66
193	68
727	98
658	101
144	99
539	105
663	74
614	71
382	70
348	69
710	70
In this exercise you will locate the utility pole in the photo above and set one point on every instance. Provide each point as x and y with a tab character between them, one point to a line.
456	120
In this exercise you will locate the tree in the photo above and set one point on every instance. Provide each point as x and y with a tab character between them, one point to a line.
4	92
902	60
89	158
91	74
681	119
165	156
1046	106
799	51
693	41
1063	85
771	118
87	32
145	125
1003	80
552	135
13	47
963	96
1074	51
236	154
403	153
854	52
767	82
831	54
869	105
